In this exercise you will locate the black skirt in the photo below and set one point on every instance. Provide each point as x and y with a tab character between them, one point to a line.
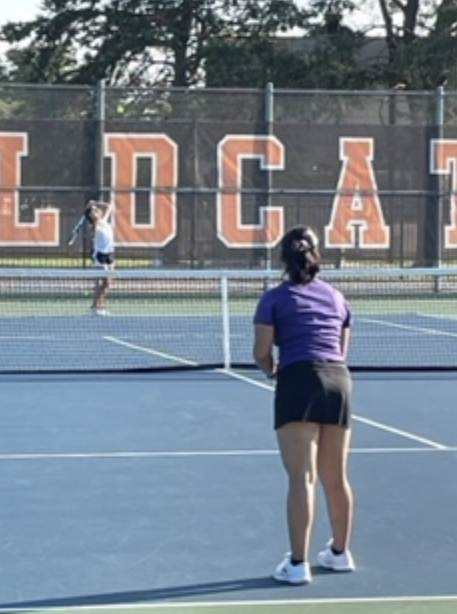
101	258
313	391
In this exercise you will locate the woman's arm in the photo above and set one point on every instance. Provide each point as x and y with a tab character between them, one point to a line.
263	349
344	341
105	208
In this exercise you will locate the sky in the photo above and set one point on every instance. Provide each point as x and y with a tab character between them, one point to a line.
21	10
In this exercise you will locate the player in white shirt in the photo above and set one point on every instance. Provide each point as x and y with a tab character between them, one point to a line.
98	214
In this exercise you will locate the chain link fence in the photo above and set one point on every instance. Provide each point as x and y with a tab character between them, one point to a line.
195	174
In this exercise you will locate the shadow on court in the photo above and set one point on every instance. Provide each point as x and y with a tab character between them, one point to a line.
149	601
143	596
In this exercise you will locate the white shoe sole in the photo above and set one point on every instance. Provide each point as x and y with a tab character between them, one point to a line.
279	576
284	580
335	568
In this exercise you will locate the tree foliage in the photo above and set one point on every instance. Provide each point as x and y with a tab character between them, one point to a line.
232	43
421	40
135	42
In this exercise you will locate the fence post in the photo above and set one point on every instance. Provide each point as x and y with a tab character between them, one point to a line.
97	179
100	118
269	129
432	231
439	121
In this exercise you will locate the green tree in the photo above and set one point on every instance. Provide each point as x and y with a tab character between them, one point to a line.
421	42
324	58
135	42
231	43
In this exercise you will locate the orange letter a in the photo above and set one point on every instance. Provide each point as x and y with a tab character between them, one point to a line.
356	203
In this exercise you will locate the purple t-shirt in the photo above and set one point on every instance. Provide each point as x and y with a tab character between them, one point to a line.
307	320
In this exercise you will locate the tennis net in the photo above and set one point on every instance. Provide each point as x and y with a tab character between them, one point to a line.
160	319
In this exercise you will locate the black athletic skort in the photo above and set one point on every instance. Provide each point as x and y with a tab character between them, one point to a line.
102	259
313	391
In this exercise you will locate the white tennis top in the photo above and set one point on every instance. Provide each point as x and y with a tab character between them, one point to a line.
104	238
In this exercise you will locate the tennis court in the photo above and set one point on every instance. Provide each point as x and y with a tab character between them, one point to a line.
163	490
174	319
167	488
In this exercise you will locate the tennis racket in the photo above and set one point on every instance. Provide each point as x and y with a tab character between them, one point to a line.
76	229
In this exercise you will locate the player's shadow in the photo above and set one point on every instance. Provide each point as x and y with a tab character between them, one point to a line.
149	596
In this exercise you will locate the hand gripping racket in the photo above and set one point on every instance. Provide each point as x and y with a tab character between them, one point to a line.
76	229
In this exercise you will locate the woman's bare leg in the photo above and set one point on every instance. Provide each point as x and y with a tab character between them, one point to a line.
332	470
298	446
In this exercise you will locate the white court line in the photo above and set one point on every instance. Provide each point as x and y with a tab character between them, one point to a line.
400	433
418	329
201	605
437	316
374	423
139	348
28	337
195	454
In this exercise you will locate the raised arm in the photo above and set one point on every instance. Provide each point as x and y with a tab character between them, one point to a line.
106	208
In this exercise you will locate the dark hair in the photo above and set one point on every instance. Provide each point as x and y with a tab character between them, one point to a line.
300	255
88	213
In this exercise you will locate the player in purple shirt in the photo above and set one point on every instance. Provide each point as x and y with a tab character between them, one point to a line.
308	320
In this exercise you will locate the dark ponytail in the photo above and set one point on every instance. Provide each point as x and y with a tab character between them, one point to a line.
300	255
88	213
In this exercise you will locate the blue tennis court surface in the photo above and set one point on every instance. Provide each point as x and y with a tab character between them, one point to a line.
141	341
160	318
164	489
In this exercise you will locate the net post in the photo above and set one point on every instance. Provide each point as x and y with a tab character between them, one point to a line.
225	321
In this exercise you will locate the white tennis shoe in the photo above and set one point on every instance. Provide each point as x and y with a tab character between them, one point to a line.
292	574
99	311
336	562
103	312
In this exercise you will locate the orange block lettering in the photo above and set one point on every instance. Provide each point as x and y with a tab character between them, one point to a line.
44	230
161	150
443	161
231	152
356	204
